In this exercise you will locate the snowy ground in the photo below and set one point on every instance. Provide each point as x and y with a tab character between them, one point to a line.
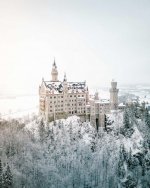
16	107
143	92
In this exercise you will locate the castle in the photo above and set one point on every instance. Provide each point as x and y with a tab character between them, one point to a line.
60	99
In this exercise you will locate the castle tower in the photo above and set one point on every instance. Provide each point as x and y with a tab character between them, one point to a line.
87	95
114	96
96	96
65	84
65	78
65	93
54	72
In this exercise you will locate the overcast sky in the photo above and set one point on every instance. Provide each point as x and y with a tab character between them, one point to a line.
92	40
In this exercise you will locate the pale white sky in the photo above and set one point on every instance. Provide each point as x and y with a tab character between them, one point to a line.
92	40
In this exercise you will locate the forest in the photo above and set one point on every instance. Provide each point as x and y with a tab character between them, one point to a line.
72	154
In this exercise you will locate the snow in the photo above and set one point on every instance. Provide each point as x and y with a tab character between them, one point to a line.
121	105
72	119
32	126
19	106
102	101
73	87
141	91
133	143
49	159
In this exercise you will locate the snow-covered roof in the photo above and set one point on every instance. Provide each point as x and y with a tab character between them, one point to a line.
73	87
102	101
54	85
121	105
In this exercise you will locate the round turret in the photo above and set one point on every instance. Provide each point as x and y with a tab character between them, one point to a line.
113	84
114	95
96	96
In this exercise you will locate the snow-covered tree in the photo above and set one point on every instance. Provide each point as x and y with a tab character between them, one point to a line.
75	155
147	118
129	182
41	129
126	121
8	178
1	173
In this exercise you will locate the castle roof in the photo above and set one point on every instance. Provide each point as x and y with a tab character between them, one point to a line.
73	87
103	101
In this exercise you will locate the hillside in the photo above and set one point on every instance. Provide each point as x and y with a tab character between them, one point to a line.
68	153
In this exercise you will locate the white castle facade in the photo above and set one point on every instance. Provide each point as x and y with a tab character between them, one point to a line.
60	99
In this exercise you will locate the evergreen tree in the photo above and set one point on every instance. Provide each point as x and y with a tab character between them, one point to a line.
132	111
132	161
147	118
126	121
47	131
8	178
80	134
124	153
105	122
52	136
41	131
1	173
121	169
93	144
130	182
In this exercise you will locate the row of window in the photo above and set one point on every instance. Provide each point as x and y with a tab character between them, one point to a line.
55	101
68	101
80	104
57	105
56	97
70	110
76	96
74	112
82	111
57	110
68	96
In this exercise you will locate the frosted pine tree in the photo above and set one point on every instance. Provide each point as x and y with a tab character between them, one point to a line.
8	178
41	131
126	121
147	118
1	173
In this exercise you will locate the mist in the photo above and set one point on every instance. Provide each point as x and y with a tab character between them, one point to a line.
90	40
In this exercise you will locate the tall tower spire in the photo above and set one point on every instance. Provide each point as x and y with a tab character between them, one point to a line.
65	77
65	84
54	64
54	72
114	95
